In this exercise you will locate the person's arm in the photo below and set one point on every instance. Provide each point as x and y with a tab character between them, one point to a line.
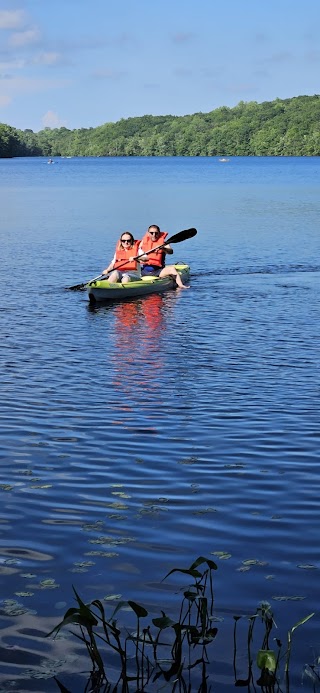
168	250
110	267
141	256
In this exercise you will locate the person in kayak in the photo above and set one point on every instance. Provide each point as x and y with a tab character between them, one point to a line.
125	255
152	258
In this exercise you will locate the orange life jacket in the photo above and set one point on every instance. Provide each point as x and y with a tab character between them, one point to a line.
123	254
157	257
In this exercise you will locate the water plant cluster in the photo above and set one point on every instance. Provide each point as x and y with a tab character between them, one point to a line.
175	654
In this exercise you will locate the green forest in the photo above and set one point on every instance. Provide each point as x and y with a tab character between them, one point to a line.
283	127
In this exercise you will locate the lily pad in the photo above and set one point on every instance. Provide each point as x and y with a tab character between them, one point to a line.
223	555
285	598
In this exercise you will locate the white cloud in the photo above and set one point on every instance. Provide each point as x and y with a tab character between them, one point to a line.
279	58
52	120
313	56
11	19
12	65
48	58
182	72
24	38
108	73
20	85
183	37
4	100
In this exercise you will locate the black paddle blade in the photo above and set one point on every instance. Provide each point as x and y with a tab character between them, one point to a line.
182	236
76	287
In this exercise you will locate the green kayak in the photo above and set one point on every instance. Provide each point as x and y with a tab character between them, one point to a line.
102	290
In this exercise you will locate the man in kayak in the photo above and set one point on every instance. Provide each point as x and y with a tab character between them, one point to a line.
152	258
125	255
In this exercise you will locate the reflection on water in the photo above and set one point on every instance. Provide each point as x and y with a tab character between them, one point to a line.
137	345
31	661
136	436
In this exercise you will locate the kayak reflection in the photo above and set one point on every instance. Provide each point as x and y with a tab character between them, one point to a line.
137	354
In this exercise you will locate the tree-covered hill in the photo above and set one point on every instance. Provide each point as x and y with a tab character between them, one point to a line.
283	127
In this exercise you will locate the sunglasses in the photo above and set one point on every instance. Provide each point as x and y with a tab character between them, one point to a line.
126	240
153	233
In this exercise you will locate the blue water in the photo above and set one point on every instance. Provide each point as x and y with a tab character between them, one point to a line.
138	436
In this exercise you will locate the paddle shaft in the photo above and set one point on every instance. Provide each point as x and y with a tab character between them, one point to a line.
137	257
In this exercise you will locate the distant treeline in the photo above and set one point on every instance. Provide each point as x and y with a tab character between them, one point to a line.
283	127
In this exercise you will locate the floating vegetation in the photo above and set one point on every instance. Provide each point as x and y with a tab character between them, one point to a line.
60	605
152	510
13	608
174	651
105	554
117	505
81	566
11	561
24	594
121	494
93	526
41	485
47	668
288	599
189	460
253	561
48	584
243	569
235	465
111	540
222	555
116	516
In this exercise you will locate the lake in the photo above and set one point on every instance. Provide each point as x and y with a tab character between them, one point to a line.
138	436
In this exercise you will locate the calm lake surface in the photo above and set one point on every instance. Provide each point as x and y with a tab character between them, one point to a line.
138	436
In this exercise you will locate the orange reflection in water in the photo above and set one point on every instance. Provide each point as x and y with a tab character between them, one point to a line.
138	332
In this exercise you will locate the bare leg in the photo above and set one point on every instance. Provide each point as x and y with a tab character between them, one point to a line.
129	278
126	279
114	277
170	271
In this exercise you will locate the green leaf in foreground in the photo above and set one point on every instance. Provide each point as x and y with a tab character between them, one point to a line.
266	659
163	621
139	610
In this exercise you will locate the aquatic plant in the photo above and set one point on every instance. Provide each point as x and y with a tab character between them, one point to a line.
273	666
175	652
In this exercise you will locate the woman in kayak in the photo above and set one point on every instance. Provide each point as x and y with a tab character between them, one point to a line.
126	251
153	258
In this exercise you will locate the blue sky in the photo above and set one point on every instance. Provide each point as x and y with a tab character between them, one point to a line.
82	63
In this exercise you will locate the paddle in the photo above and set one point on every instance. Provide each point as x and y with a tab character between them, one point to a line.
176	238
77	287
